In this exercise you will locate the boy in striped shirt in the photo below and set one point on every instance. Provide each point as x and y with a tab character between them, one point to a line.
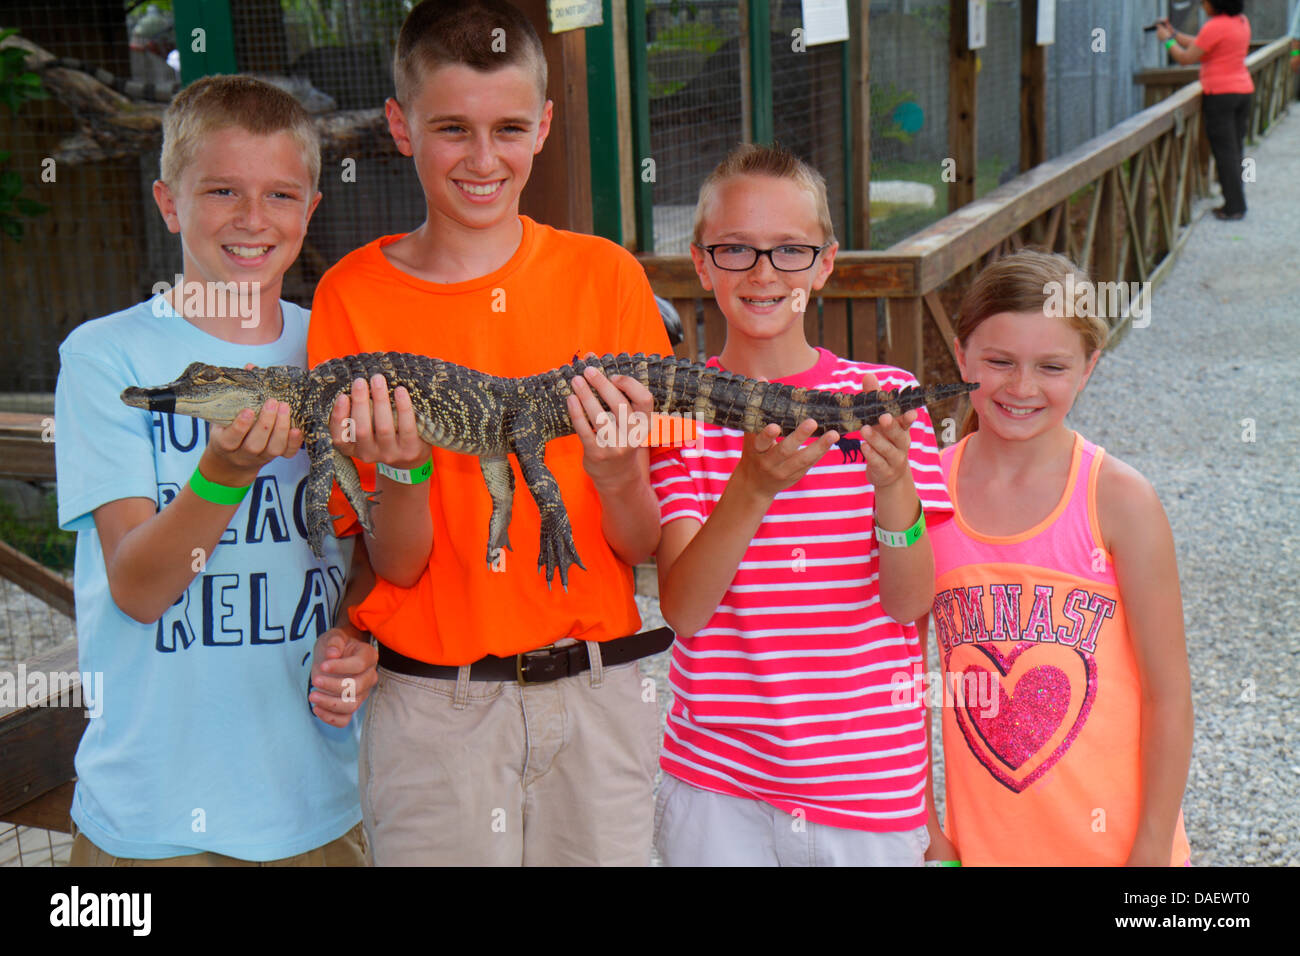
796	735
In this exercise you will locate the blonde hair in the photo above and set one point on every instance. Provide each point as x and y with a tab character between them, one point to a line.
219	102
484	35
1023	282
752	159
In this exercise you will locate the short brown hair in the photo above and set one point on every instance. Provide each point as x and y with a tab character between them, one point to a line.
218	102
753	159
484	35
1022	282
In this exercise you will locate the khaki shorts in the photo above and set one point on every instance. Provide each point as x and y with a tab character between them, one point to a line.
347	850
492	773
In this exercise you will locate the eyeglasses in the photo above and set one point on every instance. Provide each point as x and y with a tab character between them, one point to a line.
734	257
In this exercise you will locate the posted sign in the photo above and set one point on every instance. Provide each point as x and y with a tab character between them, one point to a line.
573	14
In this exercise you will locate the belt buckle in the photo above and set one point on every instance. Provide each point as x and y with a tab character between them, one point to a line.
519	662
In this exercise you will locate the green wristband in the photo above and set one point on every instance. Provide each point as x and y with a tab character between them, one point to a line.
1170	43
903	539
1295	52
412	477
217	494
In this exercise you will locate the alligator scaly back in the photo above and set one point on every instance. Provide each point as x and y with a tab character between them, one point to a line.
469	412
722	398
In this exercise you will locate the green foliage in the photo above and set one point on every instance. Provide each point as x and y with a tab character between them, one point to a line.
41	538
342	22
17	83
12	205
885	98
677	54
17	86
935	17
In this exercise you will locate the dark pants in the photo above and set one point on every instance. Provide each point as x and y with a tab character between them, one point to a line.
1227	116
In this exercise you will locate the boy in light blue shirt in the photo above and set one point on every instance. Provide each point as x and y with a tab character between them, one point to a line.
226	734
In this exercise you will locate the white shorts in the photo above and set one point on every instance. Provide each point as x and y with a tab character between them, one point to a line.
695	827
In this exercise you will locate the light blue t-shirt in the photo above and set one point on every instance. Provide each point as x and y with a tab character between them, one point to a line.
206	741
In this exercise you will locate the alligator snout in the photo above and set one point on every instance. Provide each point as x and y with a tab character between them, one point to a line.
160	399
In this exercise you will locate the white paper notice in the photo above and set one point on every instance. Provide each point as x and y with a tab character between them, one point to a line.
1046	22
977	22
825	21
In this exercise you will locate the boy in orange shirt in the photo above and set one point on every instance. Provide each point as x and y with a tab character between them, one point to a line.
462	763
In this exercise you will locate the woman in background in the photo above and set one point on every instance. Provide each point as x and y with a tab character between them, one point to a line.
1221	49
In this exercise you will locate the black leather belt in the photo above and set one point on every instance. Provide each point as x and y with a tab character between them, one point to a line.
538	666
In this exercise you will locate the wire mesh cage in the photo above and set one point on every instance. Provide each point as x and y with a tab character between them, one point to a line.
908	115
693	65
98	244
31	630
808	102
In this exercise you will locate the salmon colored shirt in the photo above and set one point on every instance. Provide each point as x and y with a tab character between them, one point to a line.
1042	699
561	293
1226	41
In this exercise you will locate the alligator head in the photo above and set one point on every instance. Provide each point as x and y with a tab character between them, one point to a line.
217	394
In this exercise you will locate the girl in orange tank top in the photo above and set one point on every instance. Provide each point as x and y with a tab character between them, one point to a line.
1067	717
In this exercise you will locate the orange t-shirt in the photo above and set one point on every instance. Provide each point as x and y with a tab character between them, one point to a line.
1226	42
561	293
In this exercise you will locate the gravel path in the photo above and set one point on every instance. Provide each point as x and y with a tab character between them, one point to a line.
1202	402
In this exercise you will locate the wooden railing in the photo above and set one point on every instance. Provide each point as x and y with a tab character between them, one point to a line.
1119	204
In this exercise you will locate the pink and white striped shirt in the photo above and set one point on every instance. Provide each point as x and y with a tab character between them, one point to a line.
800	691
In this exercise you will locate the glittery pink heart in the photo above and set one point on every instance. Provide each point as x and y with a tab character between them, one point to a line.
1025	720
1008	743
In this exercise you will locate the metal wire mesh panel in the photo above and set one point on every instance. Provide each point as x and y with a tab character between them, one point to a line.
1099	45
71	260
909	116
341	52
27	846
807	102
697	105
99	245
30	628
998	96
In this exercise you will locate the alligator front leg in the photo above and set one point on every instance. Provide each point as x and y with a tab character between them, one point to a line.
500	480
557	550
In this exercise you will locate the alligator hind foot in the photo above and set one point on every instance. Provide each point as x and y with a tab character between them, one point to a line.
557	552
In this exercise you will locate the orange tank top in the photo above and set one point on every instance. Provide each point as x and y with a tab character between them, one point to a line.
1041	693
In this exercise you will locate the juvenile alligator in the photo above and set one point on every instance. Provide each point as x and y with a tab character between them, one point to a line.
465	411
